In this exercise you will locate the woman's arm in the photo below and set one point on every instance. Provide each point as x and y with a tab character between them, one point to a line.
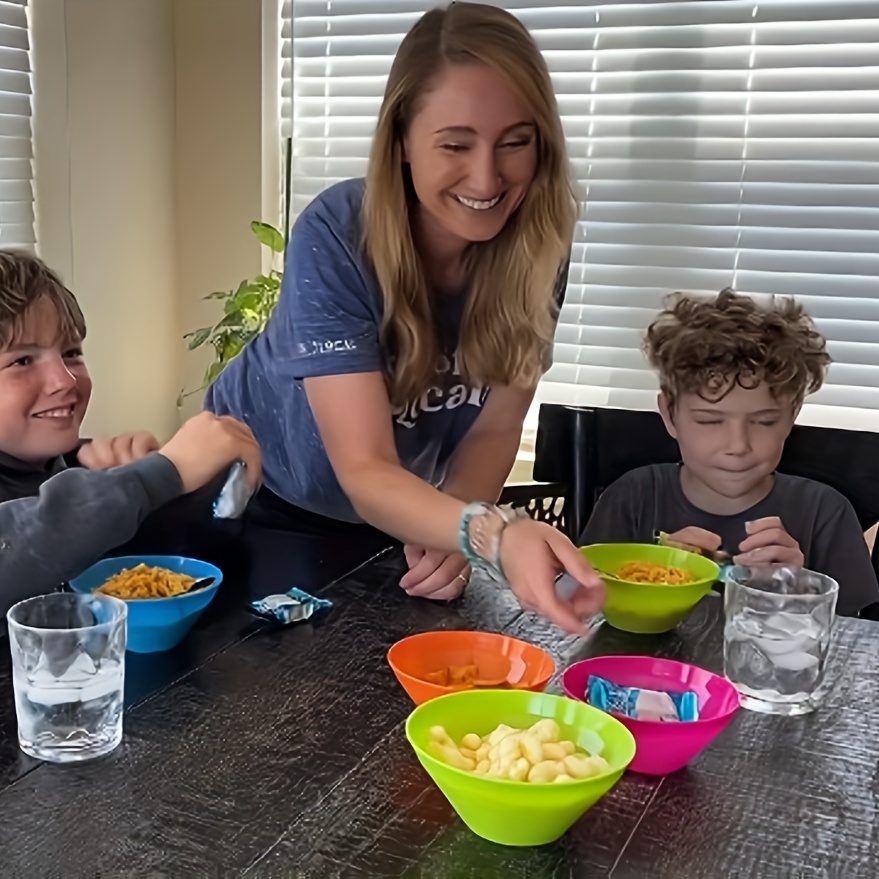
353	415
477	472
482	462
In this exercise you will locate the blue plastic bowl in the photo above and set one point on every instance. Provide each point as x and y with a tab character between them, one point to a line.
156	624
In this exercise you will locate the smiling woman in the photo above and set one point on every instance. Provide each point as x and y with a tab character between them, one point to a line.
416	318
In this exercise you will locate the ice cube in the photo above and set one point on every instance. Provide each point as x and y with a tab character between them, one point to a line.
80	670
786	624
797	660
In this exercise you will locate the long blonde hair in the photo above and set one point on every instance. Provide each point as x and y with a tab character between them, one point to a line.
509	320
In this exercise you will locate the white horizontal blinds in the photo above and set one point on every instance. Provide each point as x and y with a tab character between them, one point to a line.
16	149
658	152
715	143
336	58
730	143
810	199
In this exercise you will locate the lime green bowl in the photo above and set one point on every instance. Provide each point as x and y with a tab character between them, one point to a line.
649	608
518	812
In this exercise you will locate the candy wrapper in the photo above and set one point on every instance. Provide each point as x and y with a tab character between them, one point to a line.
293	606
235	493
641	704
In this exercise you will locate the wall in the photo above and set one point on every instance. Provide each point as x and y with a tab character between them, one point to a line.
148	149
104	127
219	152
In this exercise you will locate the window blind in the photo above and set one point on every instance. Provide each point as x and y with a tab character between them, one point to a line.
714	143
16	143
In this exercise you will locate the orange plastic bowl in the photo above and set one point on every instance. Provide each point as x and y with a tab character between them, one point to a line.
530	668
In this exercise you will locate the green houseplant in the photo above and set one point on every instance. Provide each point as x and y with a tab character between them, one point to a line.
246	311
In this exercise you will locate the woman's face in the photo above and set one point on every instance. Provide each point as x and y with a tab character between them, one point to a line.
472	150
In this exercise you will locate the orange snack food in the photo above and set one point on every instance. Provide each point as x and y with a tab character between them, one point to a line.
453	676
650	572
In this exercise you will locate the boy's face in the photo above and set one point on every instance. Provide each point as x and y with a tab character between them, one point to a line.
44	388
730	448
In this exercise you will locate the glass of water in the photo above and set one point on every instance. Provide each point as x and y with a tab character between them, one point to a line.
68	671
777	635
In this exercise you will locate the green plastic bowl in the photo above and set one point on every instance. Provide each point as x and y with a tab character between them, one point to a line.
649	608
518	812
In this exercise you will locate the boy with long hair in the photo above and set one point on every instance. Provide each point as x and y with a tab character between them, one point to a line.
56	519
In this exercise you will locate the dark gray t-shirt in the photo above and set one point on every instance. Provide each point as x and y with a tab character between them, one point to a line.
818	517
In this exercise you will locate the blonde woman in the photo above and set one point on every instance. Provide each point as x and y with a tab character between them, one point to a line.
417	316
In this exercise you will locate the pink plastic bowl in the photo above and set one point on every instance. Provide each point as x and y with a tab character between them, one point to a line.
662	747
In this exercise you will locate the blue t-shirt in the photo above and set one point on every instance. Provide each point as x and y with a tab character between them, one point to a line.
327	323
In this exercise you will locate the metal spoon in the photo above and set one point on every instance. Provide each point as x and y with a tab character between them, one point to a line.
203	583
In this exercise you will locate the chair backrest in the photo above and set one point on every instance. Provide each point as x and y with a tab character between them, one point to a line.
591	448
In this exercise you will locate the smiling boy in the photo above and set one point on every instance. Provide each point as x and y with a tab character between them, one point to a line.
57	519
733	377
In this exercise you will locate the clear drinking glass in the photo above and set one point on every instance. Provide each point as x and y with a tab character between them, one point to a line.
68	672
777	635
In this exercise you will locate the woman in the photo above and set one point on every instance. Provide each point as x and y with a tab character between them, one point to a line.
417	316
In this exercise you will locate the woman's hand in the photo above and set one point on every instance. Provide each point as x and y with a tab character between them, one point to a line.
440	576
768	543
533	554
102	454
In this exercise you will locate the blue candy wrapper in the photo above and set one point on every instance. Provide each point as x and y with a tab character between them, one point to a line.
293	606
234	495
641	704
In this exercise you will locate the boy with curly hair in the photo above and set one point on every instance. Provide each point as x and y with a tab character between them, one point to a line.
733	377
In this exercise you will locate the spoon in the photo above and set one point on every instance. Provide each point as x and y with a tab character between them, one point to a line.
203	583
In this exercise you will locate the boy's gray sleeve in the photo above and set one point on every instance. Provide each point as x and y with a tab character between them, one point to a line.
78	516
840	551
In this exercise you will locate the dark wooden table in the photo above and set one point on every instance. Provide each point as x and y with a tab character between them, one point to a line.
262	751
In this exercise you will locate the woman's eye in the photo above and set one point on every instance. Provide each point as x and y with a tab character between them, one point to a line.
454	147
516	144
73	354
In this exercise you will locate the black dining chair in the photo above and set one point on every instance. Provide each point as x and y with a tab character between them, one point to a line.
584	450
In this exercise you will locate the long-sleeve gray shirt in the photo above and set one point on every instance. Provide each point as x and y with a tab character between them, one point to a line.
818	517
55	522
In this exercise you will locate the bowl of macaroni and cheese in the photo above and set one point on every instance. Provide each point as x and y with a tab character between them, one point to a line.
650	588
162	603
519	767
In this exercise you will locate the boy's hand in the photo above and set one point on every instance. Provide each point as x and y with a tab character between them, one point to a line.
208	444
102	454
433	574
768	543
695	539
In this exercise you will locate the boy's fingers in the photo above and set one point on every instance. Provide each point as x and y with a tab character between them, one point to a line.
697	538
767	522
769	537
143	444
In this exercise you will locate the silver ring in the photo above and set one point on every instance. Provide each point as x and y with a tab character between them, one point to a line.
463	579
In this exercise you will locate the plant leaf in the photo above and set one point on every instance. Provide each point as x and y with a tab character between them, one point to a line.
218	294
213	371
198	338
268	235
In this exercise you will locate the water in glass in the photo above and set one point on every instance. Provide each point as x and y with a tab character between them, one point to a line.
777	636
68	673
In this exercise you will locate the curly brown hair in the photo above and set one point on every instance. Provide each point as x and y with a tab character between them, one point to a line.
23	280
707	347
